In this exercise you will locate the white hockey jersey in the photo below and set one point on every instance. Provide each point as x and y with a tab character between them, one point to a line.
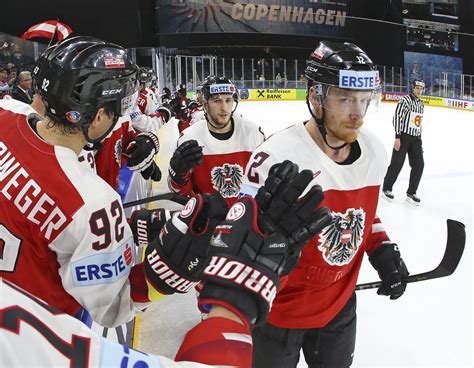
64	234
33	334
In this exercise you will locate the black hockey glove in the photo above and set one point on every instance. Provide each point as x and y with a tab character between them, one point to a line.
174	262
186	156
175	103
280	207
246	262
166	111
146	224
141	151
391	269
152	172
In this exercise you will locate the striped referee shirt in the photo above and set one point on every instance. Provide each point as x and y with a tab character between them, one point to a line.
408	116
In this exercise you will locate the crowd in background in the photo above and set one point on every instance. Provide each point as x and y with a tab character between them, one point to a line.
15	76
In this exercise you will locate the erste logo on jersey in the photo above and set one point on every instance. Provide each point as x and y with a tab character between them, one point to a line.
340	241
226	179
103	268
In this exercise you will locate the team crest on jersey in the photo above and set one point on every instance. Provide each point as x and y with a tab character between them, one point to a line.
340	241
226	179
118	151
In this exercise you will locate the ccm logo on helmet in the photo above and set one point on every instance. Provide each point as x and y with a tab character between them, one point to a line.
357	79
242	274
109	92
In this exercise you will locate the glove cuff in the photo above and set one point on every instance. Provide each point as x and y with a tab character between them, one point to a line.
249	288
154	138
385	253
176	180
165	113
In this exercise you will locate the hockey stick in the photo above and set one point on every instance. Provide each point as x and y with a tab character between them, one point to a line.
452	256
160	197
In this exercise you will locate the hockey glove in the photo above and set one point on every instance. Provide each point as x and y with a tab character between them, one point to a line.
186	156
280	207
152	172
175	103
141	151
391	269
246	263
146	224
166	111
174	262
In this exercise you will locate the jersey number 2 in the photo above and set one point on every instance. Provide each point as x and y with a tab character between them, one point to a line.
258	161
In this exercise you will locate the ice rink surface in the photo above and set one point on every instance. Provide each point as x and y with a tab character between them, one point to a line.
431	324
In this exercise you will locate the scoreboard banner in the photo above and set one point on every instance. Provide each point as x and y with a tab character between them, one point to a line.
291	17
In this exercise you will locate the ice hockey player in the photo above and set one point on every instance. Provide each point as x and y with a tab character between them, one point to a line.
316	310
196	107
61	224
238	302
212	154
146	99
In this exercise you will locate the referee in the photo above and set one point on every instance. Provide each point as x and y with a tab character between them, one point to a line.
407	123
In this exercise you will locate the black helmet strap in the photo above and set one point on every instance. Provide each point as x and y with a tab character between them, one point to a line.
321	127
85	129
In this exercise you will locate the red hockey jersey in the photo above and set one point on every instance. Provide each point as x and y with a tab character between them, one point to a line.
327	273
224	161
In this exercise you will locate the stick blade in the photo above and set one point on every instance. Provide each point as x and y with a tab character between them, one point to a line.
454	247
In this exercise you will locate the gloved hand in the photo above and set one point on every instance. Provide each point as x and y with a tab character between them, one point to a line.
166	111
175	103
246	260
174	262
280	207
141	151
146	224
185	157
152	172
391	269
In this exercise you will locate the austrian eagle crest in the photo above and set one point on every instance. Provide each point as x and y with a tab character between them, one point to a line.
226	179
340	241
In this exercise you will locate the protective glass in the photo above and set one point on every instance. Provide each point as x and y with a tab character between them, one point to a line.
356	94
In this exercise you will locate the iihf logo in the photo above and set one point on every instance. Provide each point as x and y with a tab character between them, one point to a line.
73	116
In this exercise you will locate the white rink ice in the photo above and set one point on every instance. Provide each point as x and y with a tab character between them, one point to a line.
431	324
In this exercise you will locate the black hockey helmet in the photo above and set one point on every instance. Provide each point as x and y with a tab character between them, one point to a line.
218	85
418	83
144	75
181	88
331	63
343	66
79	75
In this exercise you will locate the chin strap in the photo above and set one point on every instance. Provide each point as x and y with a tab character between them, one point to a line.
85	131
322	128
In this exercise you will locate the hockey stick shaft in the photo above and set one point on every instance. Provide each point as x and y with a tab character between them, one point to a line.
159	197
452	255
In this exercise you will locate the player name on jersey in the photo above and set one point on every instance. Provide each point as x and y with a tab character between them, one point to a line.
28	197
